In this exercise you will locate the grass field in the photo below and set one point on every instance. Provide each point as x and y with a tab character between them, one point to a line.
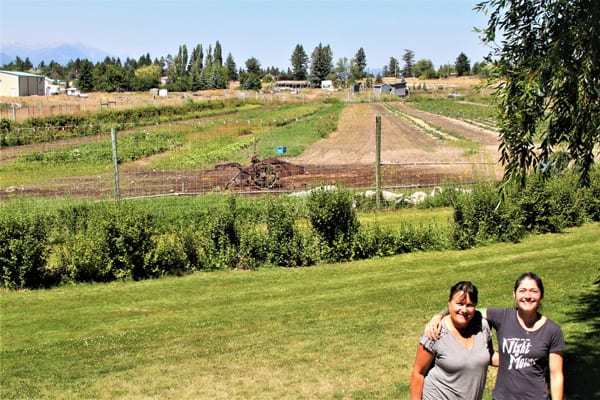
340	331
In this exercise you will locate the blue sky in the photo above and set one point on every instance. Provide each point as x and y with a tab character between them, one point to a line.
438	30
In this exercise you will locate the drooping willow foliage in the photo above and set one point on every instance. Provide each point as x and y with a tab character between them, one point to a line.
548	83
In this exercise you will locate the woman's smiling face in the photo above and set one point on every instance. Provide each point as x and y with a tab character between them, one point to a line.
461	309
528	295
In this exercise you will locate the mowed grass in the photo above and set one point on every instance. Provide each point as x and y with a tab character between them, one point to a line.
339	331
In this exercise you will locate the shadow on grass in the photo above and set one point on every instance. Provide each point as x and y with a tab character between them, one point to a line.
582	365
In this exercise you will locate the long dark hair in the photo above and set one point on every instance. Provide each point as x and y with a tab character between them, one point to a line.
532	276
467	288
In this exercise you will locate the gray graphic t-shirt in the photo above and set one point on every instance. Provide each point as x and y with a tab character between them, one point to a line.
524	355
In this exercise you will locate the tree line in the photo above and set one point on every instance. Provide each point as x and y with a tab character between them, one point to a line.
207	68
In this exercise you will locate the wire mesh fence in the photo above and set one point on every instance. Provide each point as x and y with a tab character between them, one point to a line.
266	146
152	164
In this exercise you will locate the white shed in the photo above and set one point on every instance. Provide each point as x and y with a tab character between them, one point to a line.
327	85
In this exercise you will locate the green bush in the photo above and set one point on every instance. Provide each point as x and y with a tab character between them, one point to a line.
114	245
166	256
4	133
410	238
23	250
223	231
333	217
74	218
196	247
285	243
590	197
127	234
374	242
253	250
549	205
483	217
84	258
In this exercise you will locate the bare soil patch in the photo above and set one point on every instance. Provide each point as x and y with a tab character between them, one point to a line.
412	156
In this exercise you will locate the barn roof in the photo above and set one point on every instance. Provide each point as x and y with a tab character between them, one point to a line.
20	73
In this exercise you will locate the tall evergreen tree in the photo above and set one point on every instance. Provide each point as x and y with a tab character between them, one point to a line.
86	76
178	70
409	61
216	80
250	80
130	63
231	68
203	82
218	55
359	64
462	65
393	68
253	66
209	57
144	60
321	64
196	60
55	70
299	62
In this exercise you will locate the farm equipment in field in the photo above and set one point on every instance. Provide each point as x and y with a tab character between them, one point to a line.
261	174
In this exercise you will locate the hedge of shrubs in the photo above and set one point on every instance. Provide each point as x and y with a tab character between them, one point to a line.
102	242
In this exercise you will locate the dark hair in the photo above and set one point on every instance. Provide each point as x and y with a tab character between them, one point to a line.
532	276
467	288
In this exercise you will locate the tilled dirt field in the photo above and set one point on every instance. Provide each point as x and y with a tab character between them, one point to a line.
411	157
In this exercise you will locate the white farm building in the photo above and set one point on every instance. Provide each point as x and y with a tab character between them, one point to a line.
14	84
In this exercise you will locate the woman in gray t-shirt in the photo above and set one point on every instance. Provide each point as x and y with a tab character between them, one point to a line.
454	366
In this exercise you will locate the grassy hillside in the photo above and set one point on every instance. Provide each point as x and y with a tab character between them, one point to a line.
341	331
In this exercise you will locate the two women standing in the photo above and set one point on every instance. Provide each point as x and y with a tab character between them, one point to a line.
529	345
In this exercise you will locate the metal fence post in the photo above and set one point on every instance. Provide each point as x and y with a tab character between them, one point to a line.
113	135
377	160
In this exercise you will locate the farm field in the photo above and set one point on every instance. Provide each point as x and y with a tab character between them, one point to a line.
419	149
339	331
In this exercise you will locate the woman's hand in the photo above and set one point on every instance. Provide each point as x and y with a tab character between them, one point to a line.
496	359
434	327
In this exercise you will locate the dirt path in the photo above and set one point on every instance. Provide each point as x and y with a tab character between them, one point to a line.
404	139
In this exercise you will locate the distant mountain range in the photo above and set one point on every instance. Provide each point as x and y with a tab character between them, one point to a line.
60	53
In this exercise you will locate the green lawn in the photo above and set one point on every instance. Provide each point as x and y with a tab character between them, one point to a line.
340	331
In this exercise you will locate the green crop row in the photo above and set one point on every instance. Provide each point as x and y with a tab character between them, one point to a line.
48	129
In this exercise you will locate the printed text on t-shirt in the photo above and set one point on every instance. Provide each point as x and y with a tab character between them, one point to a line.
516	348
